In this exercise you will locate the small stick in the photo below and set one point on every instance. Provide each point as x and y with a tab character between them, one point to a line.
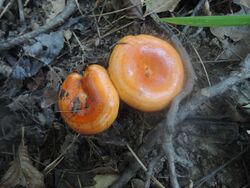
200	4
117	11
117	29
144	167
79	42
6	8
26	2
104	3
137	158
130	171
202	63
21	12
79	8
150	170
97	26
57	161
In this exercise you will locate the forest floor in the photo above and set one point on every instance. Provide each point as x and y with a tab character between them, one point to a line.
41	42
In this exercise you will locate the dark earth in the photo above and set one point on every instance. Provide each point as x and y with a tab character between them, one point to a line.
211	136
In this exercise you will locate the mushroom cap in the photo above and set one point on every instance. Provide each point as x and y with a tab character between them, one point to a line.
89	104
146	71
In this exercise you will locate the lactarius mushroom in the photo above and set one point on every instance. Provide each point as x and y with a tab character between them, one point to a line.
146	71
89	104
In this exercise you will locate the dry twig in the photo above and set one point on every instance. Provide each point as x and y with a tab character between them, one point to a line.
21	11
195	11
69	9
150	171
145	168
6	8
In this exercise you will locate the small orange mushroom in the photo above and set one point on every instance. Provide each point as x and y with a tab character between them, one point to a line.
89	104
146	71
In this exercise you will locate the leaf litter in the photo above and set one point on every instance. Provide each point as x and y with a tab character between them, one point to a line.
157	6
235	40
22	172
31	102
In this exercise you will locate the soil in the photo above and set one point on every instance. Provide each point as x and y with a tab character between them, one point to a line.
211	144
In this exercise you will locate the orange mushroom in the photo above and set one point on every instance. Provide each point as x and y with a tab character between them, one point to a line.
89	104
147	72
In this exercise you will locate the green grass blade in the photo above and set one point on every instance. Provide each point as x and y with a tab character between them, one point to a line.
209	21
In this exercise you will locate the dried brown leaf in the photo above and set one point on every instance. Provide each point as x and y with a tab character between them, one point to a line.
55	8
104	181
245	3
5	69
135	10
156	6
22	172
235	39
54	80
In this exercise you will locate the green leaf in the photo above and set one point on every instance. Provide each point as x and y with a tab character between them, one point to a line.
209	21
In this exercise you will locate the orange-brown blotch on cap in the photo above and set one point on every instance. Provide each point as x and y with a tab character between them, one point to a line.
88	104
147	72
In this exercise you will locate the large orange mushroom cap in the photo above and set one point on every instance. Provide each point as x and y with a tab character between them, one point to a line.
89	104
147	72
